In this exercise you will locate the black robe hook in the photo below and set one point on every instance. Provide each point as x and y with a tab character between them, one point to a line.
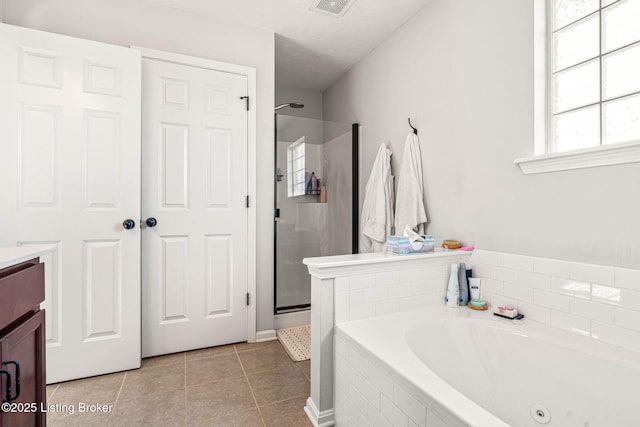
415	131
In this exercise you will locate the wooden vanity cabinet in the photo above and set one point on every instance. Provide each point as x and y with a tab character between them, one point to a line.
22	344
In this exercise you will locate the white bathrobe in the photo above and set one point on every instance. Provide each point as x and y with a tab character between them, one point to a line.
410	207
377	210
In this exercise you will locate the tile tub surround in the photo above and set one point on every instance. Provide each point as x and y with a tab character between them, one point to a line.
599	301
368	393
352	287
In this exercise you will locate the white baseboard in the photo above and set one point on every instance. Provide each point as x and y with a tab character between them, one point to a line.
291	320
324	419
269	335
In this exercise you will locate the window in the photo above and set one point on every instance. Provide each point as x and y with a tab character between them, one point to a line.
587	83
296	168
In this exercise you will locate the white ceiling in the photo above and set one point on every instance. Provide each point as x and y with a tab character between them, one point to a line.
312	49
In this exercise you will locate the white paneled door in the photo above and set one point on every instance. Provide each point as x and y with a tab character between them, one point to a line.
70	176
194	199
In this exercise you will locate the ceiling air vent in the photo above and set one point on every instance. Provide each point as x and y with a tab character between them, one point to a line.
332	7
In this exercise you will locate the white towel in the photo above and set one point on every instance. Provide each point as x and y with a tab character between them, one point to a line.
377	209
410	208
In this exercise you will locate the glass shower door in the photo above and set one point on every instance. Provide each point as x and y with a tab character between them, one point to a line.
313	202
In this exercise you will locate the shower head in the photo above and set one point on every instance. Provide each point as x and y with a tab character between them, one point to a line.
290	104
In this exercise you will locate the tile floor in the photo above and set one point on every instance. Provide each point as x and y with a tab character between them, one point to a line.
234	385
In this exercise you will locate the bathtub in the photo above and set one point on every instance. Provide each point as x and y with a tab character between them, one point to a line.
468	368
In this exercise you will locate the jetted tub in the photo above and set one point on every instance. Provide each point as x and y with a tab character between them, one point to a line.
475	369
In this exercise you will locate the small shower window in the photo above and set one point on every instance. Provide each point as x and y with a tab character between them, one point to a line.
296	168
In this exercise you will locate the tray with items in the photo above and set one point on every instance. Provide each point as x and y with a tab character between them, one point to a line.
404	245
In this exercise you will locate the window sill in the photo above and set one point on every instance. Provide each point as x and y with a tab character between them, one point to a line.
605	155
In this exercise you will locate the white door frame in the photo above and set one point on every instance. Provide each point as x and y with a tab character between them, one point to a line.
250	73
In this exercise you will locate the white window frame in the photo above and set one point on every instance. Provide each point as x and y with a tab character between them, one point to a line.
542	161
291	173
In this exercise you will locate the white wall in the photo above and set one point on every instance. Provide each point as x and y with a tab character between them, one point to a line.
133	22
463	69
311	99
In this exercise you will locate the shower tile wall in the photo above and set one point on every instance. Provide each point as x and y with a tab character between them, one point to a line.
599	301
336	236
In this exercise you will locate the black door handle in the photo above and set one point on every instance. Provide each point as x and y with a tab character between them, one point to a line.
129	224
7	385
17	366
151	222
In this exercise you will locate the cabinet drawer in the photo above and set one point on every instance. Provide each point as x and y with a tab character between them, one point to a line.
21	289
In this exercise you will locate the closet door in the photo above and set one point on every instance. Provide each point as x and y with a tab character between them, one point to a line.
195	256
70	174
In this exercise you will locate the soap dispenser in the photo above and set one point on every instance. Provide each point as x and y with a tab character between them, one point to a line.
453	290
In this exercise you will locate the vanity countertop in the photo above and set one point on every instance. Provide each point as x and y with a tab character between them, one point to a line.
11	255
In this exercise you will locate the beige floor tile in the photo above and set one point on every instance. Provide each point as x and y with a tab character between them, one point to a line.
167	359
77	419
51	389
153	380
102	389
212	369
289	413
210	352
264	359
305	367
218	393
279	384
164	409
218	399
250	418
244	346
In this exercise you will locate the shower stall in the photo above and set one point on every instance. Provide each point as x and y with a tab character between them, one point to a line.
315	193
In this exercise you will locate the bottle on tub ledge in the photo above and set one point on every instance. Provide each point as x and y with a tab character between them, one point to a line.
463	284
453	289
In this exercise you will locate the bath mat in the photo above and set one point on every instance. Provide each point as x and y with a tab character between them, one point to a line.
297	342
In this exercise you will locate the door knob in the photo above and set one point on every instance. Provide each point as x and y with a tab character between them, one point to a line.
129	224
151	222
